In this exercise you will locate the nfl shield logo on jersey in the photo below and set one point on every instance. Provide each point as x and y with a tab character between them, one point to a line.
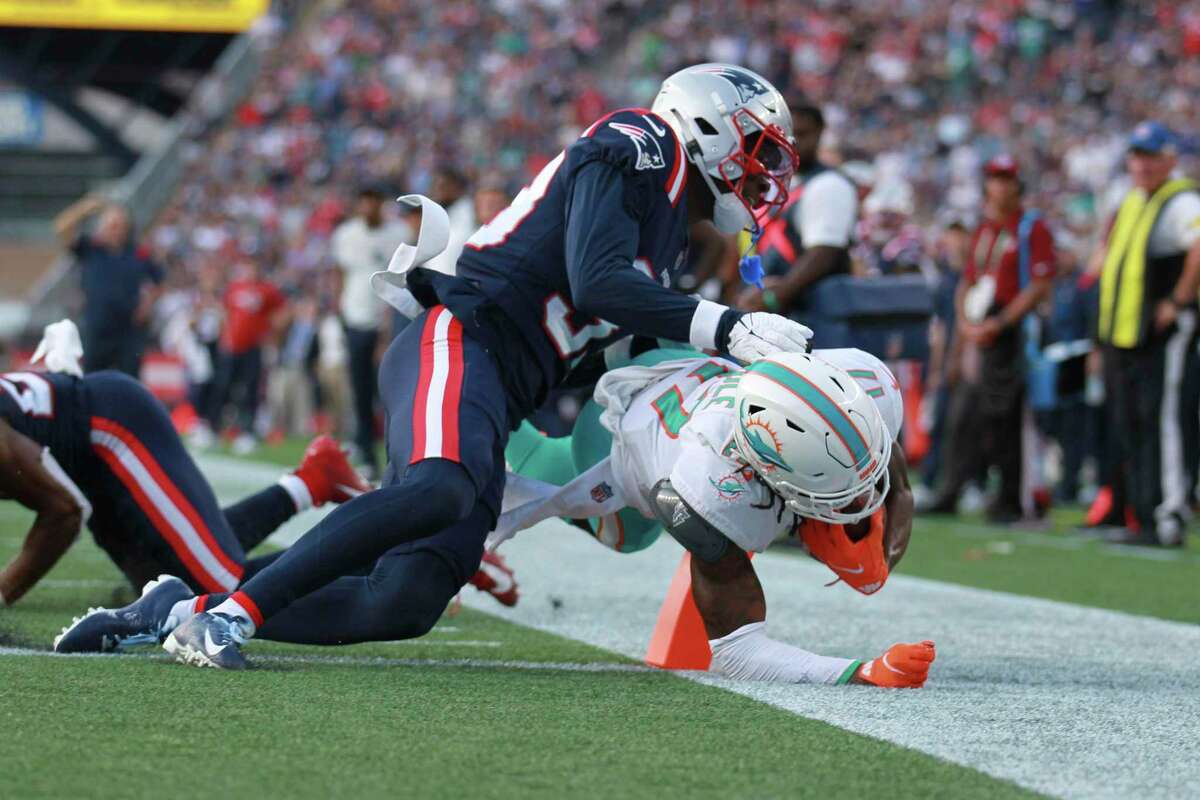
601	492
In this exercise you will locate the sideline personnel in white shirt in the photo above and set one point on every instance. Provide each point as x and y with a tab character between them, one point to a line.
811	239
361	246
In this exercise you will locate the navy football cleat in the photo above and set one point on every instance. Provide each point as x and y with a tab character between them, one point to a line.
144	621
208	640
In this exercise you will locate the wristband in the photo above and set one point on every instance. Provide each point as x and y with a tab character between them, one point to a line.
770	300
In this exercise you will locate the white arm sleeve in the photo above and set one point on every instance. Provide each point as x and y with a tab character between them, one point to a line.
748	654
827	211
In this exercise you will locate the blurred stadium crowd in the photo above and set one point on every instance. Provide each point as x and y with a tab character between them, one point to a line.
466	101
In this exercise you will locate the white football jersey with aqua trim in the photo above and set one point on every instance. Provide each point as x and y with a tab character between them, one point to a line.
681	426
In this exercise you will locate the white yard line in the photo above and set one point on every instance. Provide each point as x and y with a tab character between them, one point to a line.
376	661
1071	701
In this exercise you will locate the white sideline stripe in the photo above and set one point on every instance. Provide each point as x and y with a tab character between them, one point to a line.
81	583
373	661
1028	690
170	512
437	384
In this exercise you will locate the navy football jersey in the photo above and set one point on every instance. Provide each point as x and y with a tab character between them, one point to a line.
603	225
51	409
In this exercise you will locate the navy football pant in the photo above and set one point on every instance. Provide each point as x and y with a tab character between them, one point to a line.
421	534
153	511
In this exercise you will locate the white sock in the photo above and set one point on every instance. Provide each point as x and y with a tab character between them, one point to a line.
181	612
231	608
297	489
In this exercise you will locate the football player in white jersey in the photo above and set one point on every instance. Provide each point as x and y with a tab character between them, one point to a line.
727	460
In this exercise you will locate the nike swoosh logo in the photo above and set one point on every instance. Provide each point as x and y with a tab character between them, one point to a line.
860	570
210	647
888	664
350	490
655	128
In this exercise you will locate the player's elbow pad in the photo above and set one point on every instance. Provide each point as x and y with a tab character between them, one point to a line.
748	654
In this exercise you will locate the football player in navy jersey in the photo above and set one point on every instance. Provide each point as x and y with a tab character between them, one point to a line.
101	450
584	255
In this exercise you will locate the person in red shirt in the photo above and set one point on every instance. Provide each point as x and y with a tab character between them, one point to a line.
251	309
992	302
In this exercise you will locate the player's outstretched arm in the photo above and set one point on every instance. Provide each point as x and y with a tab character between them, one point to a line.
898	506
727	592
734	610
25	476
601	245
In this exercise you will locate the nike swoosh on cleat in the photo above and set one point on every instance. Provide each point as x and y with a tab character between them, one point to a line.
210	647
350	490
860	570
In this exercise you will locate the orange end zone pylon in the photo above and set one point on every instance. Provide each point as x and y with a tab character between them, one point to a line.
679	640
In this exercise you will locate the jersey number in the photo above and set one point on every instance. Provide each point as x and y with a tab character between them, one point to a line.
570	339
32	393
669	404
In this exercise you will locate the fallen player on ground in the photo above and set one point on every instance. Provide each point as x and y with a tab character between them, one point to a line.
728	461
99	450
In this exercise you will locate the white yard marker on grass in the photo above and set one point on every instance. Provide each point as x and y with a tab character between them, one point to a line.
367	661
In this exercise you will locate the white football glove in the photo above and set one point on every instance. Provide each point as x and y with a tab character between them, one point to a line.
760	334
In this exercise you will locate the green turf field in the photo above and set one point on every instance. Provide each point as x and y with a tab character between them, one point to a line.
484	707
480	708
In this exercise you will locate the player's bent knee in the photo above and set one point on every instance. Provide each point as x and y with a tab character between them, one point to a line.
444	485
418	595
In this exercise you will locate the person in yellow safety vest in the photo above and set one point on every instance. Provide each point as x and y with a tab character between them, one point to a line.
810	238
1147	329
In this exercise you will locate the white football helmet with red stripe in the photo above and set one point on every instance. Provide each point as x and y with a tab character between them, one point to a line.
734	126
815	437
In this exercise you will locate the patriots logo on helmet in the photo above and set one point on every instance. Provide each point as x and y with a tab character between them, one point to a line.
650	154
748	86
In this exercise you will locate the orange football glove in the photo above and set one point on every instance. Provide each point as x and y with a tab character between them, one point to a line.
903	666
862	564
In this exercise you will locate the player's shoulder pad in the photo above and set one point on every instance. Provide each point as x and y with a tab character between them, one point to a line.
638	142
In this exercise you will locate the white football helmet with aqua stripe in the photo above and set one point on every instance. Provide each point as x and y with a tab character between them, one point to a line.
815	437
